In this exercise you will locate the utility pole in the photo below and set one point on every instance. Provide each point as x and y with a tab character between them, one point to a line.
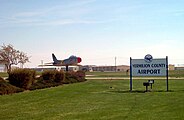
115	64
42	65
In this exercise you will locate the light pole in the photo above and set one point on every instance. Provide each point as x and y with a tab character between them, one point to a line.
115	64
42	65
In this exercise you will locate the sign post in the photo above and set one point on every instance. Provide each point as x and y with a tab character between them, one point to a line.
167	80
130	74
149	67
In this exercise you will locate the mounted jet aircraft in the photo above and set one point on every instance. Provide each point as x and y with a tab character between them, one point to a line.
71	61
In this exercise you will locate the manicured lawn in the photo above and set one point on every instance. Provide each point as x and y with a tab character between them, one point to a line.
97	100
172	73
107	74
3	74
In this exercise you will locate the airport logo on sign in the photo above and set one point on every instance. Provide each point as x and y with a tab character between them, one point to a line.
148	58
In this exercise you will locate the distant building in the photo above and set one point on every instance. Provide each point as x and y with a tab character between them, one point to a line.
104	68
122	68
86	68
179	68
171	67
2	68
111	68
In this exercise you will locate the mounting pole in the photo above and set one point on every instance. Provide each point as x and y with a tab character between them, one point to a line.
167	80
115	64
130	74
67	68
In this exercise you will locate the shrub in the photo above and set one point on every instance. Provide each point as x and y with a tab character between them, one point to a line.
1	79
22	78
80	76
43	84
59	76
55	78
72	77
48	75
6	88
49	78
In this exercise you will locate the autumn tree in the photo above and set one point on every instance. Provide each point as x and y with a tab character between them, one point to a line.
10	56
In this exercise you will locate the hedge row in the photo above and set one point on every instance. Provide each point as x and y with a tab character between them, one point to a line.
55	78
25	79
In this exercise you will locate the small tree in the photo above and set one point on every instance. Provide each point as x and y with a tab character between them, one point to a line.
10	56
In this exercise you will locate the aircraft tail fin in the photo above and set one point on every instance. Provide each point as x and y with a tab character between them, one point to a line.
54	58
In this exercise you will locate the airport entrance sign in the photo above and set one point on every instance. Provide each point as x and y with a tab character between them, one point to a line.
148	67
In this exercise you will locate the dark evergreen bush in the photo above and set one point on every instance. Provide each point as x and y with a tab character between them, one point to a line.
25	78
72	77
43	84
22	78
54	77
80	76
48	75
49	78
6	88
59	76
1	79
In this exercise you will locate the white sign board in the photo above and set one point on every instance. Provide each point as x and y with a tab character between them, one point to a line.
149	67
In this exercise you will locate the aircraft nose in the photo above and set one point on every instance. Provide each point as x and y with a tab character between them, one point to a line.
79	59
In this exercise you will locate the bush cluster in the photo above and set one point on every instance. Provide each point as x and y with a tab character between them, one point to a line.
7	88
80	76
22	78
41	84
49	78
54	78
72	77
25	79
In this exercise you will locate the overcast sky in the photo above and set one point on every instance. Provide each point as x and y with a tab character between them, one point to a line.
96	30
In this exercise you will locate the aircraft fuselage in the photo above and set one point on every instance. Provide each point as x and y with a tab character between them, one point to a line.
72	60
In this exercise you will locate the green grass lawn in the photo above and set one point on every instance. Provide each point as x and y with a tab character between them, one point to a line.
97	100
3	74
172	73
107	74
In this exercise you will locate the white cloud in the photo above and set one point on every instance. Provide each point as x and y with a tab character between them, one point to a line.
55	15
